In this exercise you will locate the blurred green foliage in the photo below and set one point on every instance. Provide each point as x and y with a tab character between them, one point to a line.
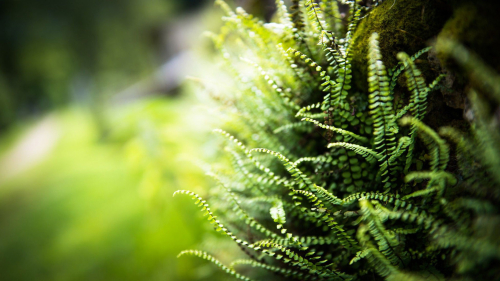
104	210
55	51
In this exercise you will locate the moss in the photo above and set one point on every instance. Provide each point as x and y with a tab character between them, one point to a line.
404	25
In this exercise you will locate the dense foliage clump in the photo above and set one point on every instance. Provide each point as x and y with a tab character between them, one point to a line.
328	182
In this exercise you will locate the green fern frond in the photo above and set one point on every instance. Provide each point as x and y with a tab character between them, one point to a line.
303	110
416	85
208	257
434	176
437	146
385	197
211	217
398	69
290	166
381	108
301	262
345	239
345	133
359	255
418	98
377	260
368	154
290	126
333	18
282	14
329	197
386	240
318	159
327	83
285	271
247	152
403	143
277	212
315	16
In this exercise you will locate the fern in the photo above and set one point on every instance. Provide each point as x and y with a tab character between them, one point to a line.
357	194
208	257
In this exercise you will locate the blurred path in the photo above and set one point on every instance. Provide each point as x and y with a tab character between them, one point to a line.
30	149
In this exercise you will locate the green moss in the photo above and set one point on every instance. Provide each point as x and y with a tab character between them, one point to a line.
406	25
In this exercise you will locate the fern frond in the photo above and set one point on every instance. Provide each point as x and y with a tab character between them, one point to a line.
396	71
277	212
261	167
299	261
424	192
303	110
368	154
211	217
315	240
385	197
377	260
299	72
327	83
330	198
343	237
381	108
436	81
285	271
287	99
385	239
431	87
297	18
210	258
354	17
345	133
359	255
403	143
418	98
416	85
317	159
428	222
315	16
441	175
282	14
437	146
333	18
290	166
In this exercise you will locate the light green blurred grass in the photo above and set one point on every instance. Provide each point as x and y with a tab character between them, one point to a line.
96	209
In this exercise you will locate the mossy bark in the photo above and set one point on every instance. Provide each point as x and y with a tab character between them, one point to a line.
403	25
410	25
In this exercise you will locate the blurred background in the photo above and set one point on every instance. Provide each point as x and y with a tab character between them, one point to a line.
96	124
94	129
